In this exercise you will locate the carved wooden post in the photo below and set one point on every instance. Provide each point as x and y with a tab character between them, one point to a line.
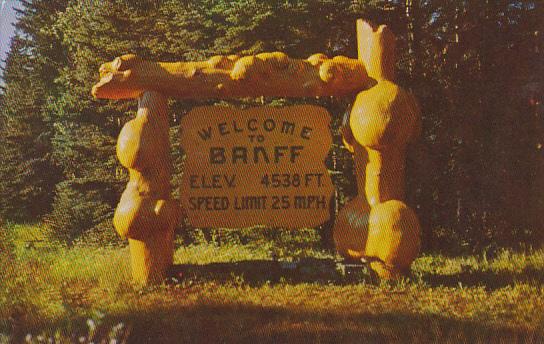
378	226
146	215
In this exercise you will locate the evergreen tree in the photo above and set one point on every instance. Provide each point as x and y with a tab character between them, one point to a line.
85	130
28	174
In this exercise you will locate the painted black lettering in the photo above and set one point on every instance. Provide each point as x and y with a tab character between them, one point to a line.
223	129
252	124
269	124
256	151
217	155
288	128
295	152
235	126
305	133
205	134
239	153
279	152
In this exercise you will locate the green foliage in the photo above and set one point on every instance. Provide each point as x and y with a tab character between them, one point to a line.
79	207
27	174
6	256
481	161
475	177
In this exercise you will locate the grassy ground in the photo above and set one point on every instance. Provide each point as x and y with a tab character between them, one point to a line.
240	293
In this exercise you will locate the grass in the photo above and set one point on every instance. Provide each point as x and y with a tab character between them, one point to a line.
239	293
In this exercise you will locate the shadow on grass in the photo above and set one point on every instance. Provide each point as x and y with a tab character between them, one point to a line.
489	279
328	271
259	272
231	323
250	324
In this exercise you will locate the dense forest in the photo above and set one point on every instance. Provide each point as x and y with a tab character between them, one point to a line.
475	178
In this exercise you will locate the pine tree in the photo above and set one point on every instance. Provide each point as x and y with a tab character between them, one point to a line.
27	174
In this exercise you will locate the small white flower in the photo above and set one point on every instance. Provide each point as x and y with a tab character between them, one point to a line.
99	315
118	327
91	325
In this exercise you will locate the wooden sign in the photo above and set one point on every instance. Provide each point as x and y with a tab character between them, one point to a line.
261	166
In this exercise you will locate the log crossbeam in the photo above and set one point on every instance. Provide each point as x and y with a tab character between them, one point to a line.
267	74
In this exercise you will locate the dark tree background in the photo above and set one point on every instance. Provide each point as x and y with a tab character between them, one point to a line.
476	177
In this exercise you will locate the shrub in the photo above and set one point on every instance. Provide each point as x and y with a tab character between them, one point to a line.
80	207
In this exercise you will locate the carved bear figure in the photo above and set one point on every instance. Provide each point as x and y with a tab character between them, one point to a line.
145	214
377	225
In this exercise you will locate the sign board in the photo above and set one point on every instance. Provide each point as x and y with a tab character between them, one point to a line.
260	166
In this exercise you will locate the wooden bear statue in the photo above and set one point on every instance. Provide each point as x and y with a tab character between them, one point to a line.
146	215
377	225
